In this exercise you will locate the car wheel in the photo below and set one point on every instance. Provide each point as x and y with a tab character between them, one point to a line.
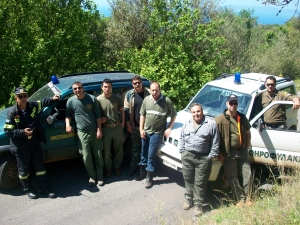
9	178
221	184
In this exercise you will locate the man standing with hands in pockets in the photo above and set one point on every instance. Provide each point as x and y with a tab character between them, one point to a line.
198	145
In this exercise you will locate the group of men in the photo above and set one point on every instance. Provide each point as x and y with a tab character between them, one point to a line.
99	125
144	113
229	136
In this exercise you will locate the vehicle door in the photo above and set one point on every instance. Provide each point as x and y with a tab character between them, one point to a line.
275	146
60	145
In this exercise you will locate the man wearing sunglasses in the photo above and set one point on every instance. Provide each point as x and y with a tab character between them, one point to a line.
132	104
235	138
86	111
275	117
26	132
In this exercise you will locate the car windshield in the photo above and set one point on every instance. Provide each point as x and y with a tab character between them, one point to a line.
213	100
47	91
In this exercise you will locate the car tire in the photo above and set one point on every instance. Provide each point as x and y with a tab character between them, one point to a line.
221	184
9	178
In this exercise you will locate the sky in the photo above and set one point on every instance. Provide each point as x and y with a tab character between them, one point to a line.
266	13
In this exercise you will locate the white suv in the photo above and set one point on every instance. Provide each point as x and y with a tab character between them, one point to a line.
268	146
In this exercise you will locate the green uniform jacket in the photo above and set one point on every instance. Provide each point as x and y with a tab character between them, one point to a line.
223	123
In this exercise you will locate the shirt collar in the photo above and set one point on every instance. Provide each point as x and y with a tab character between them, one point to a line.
204	120
161	97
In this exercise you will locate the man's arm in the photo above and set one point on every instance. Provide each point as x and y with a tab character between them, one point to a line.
122	116
168	130
69	129
99	128
142	131
181	140
248	139
215	142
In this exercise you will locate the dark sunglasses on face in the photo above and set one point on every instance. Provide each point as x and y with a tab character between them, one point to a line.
138	82
75	88
233	103
22	96
270	85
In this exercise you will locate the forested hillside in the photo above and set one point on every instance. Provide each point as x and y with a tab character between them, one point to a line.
180	43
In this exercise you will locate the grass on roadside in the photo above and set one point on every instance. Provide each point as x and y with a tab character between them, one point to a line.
281	206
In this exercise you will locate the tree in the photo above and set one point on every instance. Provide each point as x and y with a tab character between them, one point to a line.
40	38
181	51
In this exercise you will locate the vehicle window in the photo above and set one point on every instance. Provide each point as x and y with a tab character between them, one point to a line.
213	100
44	92
289	89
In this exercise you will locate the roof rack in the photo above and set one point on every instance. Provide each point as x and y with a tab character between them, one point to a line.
224	75
99	72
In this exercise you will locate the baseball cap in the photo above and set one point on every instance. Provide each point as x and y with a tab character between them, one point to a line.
232	98
20	90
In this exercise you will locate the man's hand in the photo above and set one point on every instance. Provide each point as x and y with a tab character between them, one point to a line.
56	98
129	127
143	134
69	129
167	132
296	104
103	119
28	131
99	133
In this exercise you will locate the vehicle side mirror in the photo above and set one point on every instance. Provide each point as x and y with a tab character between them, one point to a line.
51	118
260	124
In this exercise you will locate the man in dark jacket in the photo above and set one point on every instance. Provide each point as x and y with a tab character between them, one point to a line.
235	138
26	132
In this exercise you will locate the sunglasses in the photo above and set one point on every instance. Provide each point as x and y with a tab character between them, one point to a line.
22	96
233	103
270	85
136	82
75	88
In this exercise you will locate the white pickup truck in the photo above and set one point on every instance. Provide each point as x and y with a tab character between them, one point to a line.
268	146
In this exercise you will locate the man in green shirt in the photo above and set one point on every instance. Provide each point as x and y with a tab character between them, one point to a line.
275	117
111	105
154	113
86	111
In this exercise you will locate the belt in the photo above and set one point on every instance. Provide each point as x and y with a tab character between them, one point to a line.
199	153
111	125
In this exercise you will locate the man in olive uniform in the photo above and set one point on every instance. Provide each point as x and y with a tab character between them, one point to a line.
86	111
275	117
26	132
111	105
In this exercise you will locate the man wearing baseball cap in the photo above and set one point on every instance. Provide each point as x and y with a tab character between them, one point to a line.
26	132
235	138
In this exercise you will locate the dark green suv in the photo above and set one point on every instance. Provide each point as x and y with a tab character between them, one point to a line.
60	145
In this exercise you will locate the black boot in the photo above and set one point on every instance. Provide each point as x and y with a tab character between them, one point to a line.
149	180
142	174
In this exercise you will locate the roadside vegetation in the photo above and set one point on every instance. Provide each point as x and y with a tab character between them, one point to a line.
279	205
181	43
